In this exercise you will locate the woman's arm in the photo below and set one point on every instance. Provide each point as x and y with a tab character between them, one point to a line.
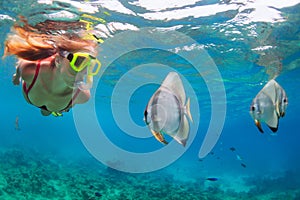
17	76
24	70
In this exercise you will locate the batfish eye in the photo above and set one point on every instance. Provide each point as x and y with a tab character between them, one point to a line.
252	108
146	116
285	100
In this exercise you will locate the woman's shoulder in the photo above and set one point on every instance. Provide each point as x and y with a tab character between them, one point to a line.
26	64
32	64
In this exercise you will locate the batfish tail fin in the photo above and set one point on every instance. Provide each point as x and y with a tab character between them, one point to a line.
188	109
183	132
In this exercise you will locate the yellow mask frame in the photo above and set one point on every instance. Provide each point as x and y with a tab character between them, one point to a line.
80	61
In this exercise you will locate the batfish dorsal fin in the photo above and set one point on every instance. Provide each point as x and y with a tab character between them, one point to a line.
174	84
270	90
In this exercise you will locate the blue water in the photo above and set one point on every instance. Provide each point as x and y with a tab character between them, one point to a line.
247	47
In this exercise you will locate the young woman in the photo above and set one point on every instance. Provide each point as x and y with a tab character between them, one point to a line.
56	66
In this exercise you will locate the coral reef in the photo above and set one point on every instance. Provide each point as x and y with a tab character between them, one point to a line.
27	174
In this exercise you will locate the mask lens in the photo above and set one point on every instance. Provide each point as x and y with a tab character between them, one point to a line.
94	67
80	61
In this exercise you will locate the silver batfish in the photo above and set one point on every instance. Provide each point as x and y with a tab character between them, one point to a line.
269	105
168	109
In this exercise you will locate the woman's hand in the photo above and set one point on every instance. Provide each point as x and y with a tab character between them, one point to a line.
16	79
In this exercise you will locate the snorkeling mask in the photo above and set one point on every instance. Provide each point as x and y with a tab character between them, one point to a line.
80	61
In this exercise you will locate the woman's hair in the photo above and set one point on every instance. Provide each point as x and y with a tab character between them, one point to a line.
45	39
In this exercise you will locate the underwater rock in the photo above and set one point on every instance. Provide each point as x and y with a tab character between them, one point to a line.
98	194
3	182
84	194
45	179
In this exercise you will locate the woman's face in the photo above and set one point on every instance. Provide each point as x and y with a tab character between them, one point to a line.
61	62
68	74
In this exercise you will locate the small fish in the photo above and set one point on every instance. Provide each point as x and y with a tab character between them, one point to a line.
17	127
269	105
212	179
243	165
232	149
238	157
167	111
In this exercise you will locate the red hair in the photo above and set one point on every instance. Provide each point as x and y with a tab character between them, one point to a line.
45	39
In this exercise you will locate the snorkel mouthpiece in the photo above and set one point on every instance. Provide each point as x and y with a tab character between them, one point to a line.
85	85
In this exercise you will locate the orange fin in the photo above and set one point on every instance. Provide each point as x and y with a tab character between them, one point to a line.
257	123
159	137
